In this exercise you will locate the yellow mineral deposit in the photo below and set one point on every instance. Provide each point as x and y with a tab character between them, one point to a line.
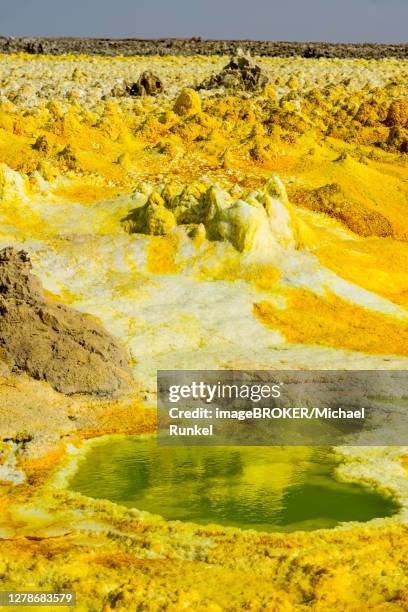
203	229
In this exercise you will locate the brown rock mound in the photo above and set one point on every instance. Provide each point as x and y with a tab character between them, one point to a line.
52	342
331	201
147	84
241	74
398	113
398	139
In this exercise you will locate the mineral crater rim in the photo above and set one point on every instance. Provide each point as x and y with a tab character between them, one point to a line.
135	472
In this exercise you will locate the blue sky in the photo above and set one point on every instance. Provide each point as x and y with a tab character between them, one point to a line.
331	20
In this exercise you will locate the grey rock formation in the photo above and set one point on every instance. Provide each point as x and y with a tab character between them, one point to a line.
240	74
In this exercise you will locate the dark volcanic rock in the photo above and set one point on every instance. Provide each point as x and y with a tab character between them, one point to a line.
51	342
241	74
197	46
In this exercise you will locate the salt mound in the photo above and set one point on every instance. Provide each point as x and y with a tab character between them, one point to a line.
187	103
12	184
152	218
240	74
51	342
259	223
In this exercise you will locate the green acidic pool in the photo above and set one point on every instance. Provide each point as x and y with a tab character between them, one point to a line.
264	488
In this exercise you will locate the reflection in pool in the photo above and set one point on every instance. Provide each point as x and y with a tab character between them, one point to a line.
264	488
